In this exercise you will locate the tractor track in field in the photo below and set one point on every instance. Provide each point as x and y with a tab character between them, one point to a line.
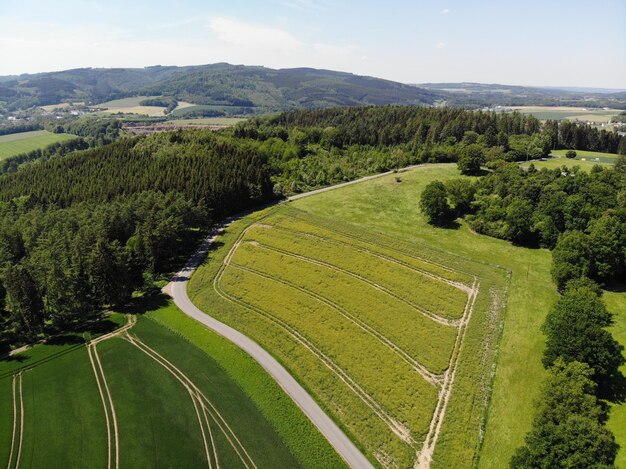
329	429
113	453
396	427
360	239
200	400
458	285
430	377
424	312
17	435
425	455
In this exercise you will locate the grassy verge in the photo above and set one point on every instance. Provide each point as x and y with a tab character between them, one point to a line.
616	303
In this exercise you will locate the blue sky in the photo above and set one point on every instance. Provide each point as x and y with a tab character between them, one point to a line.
549	42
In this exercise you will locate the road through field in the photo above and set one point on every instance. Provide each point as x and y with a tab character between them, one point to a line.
177	289
331	431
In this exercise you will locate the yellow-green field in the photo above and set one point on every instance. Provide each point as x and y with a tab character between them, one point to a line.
586	160
23	142
225	121
394	339
616	303
131	106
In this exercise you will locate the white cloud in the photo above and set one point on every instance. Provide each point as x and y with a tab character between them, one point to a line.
304	5
440	45
241	34
445	11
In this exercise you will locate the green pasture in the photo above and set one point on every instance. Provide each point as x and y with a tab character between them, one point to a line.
383	205
24	142
346	310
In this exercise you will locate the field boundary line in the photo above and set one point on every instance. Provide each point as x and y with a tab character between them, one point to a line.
419	309
429	376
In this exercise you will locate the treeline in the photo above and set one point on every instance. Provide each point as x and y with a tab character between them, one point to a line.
395	125
97	131
60	267
168	103
83	232
583	361
19	128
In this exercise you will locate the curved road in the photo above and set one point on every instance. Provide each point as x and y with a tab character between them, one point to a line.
177	289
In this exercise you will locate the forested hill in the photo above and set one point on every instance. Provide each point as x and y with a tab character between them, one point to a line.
256	89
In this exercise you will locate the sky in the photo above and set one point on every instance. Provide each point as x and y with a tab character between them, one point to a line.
530	42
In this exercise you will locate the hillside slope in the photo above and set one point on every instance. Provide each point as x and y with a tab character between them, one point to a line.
256	89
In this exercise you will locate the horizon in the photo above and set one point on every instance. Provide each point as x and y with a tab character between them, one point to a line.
411	42
559	87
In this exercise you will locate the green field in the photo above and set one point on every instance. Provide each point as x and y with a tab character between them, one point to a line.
15	144
586	160
384	206
391	336
169	393
569	113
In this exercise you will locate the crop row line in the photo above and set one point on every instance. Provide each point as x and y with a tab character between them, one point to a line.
396	427
429	376
198	398
419	309
458	285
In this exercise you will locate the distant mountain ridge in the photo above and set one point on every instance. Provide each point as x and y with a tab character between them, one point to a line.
259	89
469	94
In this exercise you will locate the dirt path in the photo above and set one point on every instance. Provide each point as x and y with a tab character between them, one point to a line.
331	431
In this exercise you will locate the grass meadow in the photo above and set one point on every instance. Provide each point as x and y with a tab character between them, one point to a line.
377	328
616	303
23	142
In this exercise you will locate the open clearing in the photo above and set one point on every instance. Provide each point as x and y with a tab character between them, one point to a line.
144	396
395	340
569	113
23	142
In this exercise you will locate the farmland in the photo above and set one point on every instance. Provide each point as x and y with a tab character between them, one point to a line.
155	399
14	144
385	206
131	106
616	303
569	113
394	339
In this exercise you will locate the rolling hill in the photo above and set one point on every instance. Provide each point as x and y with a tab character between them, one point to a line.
238	88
